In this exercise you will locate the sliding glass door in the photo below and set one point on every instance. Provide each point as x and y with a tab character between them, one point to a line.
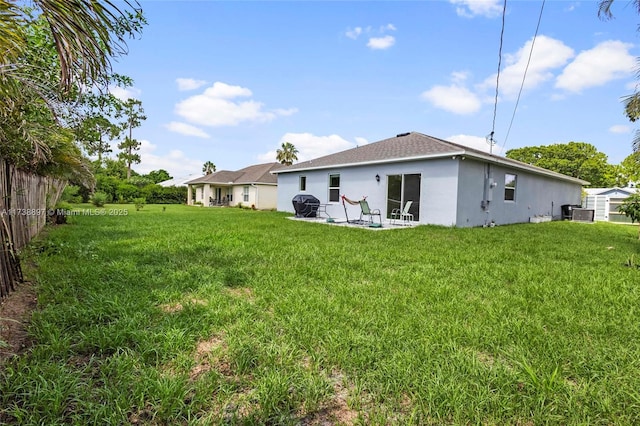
403	188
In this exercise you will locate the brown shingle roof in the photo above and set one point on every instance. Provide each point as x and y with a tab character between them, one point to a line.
404	146
411	146
258	173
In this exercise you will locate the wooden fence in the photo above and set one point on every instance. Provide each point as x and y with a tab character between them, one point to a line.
25	202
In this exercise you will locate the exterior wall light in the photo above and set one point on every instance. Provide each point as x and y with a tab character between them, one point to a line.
377	178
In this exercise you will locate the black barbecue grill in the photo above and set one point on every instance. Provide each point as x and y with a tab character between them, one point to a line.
305	205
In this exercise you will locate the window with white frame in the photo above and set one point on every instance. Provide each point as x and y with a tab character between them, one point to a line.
245	194
303	183
334	188
510	181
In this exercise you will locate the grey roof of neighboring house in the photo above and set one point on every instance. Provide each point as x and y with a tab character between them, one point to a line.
605	191
258	173
180	181
409	147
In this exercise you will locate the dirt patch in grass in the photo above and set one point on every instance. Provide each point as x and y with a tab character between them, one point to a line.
15	313
209	355
486	358
336	410
241	293
171	308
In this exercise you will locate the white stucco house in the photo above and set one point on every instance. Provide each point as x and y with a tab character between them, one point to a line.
448	184
254	186
605	202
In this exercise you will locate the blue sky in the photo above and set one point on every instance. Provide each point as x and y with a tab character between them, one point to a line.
229	82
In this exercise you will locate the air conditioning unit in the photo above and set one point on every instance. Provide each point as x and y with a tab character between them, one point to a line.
582	215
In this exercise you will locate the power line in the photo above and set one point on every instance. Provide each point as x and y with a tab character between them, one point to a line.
495	104
524	76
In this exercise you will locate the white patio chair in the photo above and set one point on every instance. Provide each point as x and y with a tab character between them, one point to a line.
402	214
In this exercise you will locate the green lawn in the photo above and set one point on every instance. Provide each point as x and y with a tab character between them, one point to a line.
186	315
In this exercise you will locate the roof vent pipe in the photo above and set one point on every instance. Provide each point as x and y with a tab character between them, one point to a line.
403	134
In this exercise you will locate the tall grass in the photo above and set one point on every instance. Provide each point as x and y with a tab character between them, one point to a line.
227	316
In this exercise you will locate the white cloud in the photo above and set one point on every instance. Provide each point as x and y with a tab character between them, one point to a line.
361	141
453	98
123	93
377	39
310	146
620	128
548	54
175	162
607	61
216	107
475	142
459	76
226	91
353	33
187	129
471	8
189	83
381	43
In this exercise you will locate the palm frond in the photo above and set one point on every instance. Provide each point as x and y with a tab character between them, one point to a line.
11	40
87	34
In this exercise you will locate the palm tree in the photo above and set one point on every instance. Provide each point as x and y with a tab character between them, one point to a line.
208	168
82	35
287	154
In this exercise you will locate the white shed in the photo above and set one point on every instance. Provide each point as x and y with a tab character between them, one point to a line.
605	202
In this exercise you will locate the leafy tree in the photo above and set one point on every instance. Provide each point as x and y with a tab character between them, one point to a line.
208	168
133	115
287	154
95	133
116	168
631	208
630	167
140	181
577	159
157	176
97	124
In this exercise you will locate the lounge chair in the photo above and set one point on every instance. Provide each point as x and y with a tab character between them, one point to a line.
402	214
366	211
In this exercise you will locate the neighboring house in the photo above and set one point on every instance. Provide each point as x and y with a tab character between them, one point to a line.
449	184
605	202
180	181
253	186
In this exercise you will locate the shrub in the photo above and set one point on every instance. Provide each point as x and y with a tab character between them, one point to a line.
139	202
630	207
99	199
108	185
70	194
156	194
125	192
